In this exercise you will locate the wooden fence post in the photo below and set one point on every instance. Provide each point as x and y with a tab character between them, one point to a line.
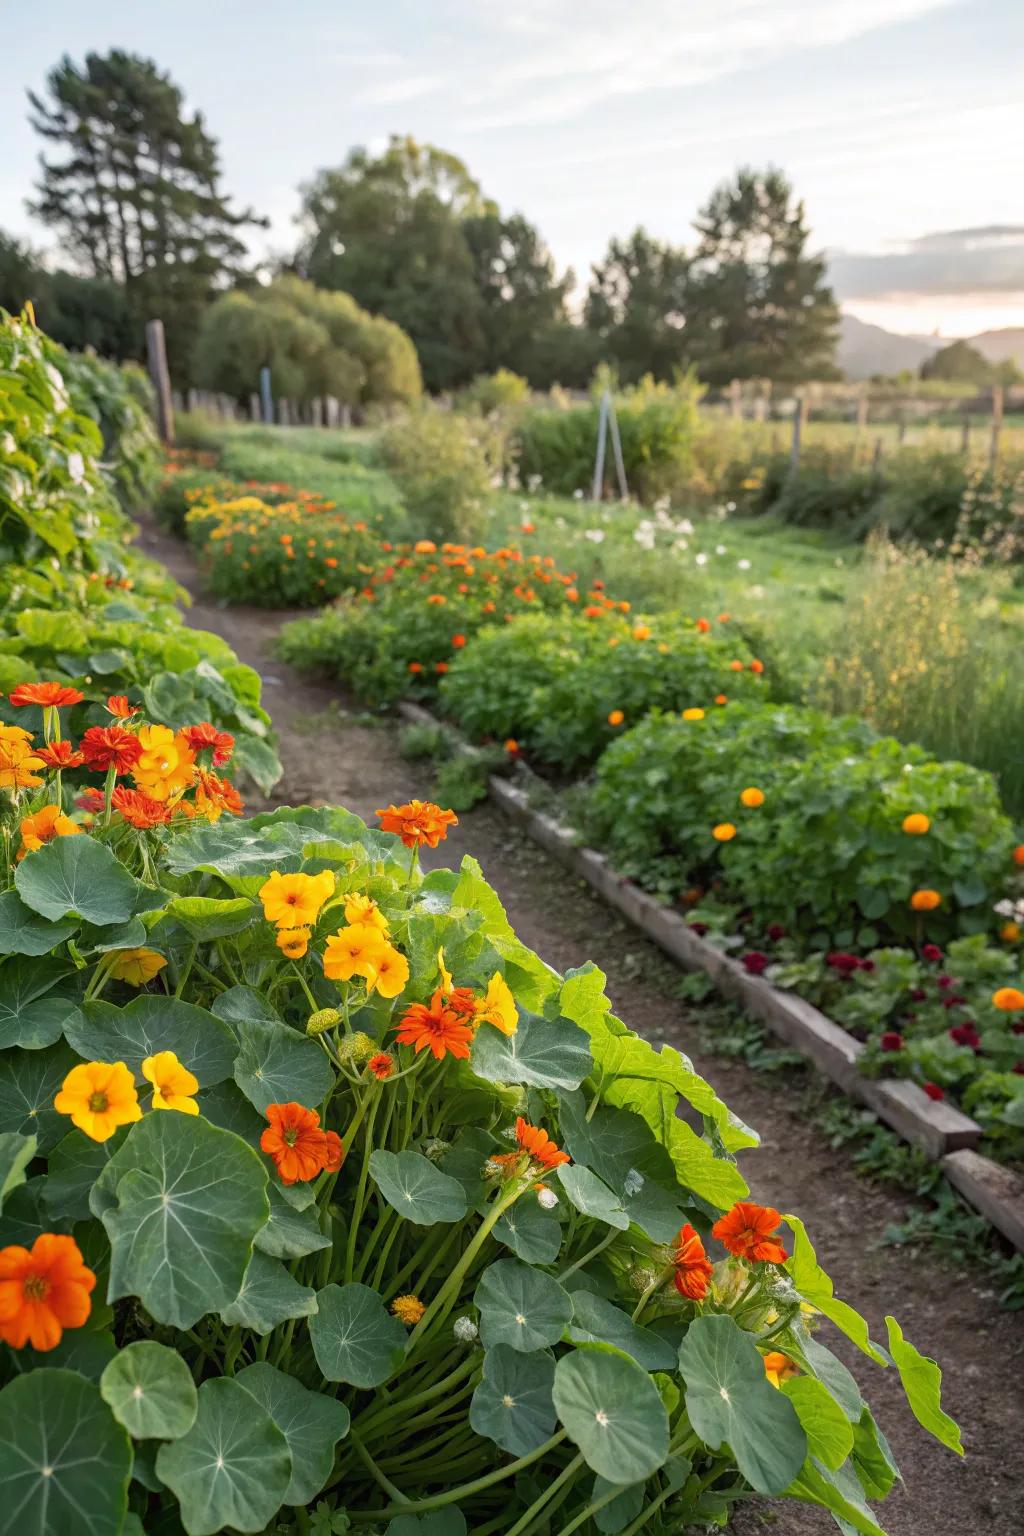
997	423
266	397
736	398
876	457
156	356
799	422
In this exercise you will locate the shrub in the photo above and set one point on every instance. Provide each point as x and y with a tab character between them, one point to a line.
490	393
444	465
120	401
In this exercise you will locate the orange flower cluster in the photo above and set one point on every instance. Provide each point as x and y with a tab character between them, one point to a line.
300	1149
447	1024
418	822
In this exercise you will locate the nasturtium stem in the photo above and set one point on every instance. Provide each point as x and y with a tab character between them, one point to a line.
567	1473
591	1509
652	1509
357	1208
375	1472
591	1253
465	1490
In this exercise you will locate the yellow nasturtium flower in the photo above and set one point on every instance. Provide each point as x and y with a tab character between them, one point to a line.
99	1096
173	1084
294	901
363	909
137	966
498	1006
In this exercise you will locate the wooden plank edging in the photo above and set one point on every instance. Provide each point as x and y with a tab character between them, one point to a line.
944	1133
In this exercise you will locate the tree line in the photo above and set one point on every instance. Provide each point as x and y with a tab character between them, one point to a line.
130	183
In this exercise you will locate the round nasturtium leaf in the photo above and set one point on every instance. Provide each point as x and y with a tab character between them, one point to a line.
150	1390
270	1295
828	1430
79	877
729	1399
597	1321
35	1004
416	1189
624	1507
233	1466
152	1023
611	1409
181	1202
24	932
533	1234
277	1065
521	1306
66	1462
512	1404
592	1196
29	1082
292	1232
543	1053
311	1422
74	1165
355	1338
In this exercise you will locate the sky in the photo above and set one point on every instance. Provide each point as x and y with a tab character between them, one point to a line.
899	122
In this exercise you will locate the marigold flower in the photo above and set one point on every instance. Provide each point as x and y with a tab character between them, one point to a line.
1018	854
418	822
724	832
537	1142
641	632
118	706
292	942
381	1066
435	1028
925	901
693	714
752	797
916	824
703	626
354	951
721	698
512	747
110	746
498	1006
458	641
363	909
43	1290
99	1096
206	737
1010	933
390	972
299	1148
441	667
693	1268
757	666
136	966
166	764
173	1084
747	1231
735	666
1008	999
47	695
778	1367
616	717
43	827
425	547
139	810
294	901
61	754
415	666
408	1310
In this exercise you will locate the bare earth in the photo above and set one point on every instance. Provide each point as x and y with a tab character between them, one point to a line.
329	758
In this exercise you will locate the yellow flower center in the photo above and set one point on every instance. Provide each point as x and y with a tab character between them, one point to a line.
98	1103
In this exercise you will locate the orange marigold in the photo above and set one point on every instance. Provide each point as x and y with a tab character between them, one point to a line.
47	695
43	1290
110	746
747	1231
139	810
925	901
61	754
418	822
435	1028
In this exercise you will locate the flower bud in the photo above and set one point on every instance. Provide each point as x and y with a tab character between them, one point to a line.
325	1018
641	1277
546	1198
465	1330
357	1047
435	1148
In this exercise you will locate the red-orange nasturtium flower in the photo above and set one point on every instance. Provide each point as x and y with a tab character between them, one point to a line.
118	706
418	822
47	695
703	626
205	737
537	1142
43	1290
61	754
692	1266
298	1146
43	827
1018	854
215	795
381	1065
925	901
139	810
435	1028
757	666
616	717
1008	1000
747	1231
110	746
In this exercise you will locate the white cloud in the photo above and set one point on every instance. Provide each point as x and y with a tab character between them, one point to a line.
392	91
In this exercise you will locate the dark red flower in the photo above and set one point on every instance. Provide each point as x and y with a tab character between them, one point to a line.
775	932
931	952
966	1034
1018	1067
700	929
918	994
867	965
755	962
945	982
934	1091
843	963
891	1041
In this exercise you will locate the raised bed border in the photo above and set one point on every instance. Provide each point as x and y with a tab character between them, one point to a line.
944	1133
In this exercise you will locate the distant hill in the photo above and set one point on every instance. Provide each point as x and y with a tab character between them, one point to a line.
864	349
999	346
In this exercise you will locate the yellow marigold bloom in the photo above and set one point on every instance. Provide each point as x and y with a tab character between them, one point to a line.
167	764
293	942
917	824
616	717
173	1084
1008	1000
408	1309
390	972
43	827
363	909
99	1096
752	797
1010	933
353	951
925	901
498	1006
693	714
724	832
641	632
778	1367
137	966
294	901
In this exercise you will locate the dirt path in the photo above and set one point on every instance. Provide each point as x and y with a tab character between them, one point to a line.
331	757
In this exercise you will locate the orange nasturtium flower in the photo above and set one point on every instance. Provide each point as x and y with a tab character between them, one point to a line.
292	942
693	1268
381	1065
48	695
724	832
300	1149
925	901
752	797
110	746
916	824
136	966
435	1028
1008	1000
353	951
173	1084
363	909
99	1096
778	1367
206	737
537	1142
294	901
166	765
757	666
498	1006
616	717
43	1290
61	754
118	706
1018	854
43	827
418	822
215	795
747	1231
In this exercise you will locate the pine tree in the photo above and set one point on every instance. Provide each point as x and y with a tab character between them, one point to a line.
635	307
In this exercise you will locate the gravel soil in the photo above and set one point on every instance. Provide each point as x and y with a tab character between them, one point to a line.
332	755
